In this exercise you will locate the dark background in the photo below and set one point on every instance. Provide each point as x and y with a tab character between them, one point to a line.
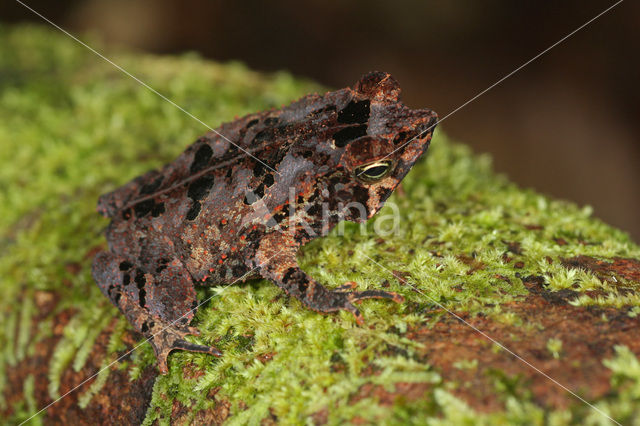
566	125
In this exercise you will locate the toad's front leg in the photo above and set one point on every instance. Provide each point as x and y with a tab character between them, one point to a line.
278	263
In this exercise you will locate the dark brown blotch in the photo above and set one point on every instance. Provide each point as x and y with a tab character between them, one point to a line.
344	195
140	281
200	188
143	208
150	188
356	112
194	211
239	270
162	265
299	278
232	151
384	193
289	274
201	158
361	195
280	216
142	295
259	191
157	210
346	135
263	135
400	138
258	169
268	180
314	210
271	121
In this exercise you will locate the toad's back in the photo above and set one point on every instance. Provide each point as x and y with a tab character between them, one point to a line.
209	205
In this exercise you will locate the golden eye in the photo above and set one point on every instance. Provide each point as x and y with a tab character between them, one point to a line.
374	171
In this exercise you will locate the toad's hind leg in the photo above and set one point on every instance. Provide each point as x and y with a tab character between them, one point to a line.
160	306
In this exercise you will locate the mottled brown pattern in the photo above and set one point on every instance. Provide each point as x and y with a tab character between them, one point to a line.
217	215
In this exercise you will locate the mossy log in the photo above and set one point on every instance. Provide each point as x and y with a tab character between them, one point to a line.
542	277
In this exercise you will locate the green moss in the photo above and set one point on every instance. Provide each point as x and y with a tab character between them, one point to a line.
74	127
626	376
554	346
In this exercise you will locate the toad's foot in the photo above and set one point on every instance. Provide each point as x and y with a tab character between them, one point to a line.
167	338
345	298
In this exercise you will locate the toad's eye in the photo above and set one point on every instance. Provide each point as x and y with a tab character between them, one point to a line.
374	171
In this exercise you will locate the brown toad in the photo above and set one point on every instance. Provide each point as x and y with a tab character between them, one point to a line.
226	212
